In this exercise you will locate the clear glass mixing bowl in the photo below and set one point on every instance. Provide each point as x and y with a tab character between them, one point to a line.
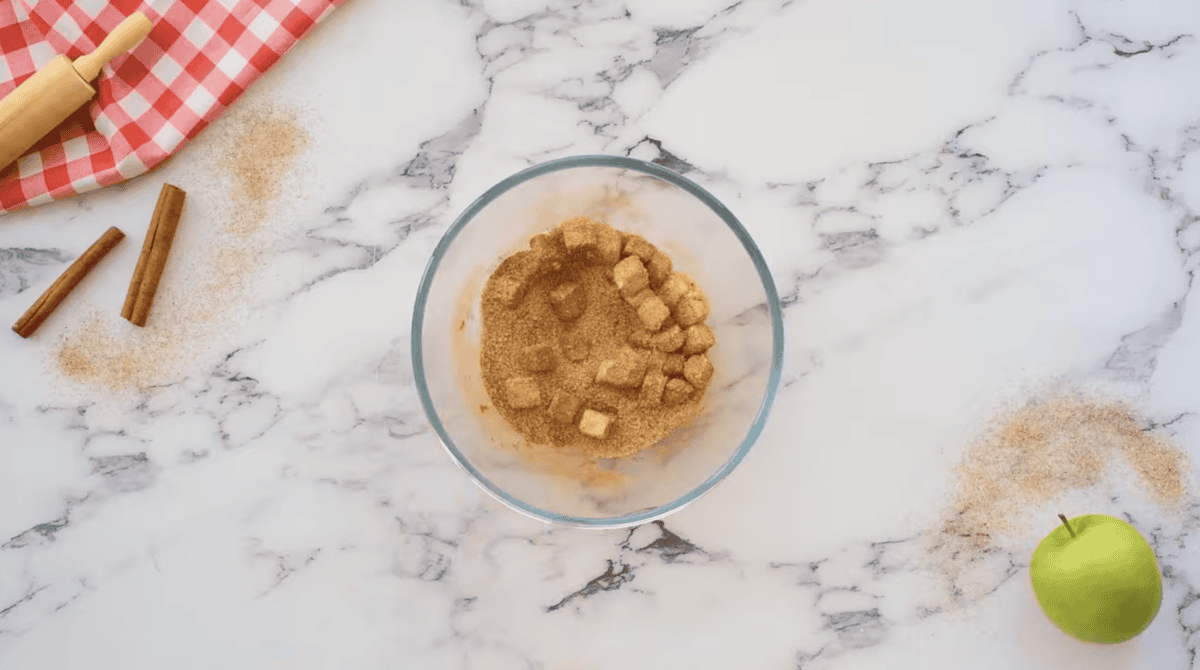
703	239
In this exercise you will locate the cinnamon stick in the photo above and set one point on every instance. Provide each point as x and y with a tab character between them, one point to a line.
66	282
153	259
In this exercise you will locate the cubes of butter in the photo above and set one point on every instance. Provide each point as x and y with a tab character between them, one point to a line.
691	309
697	340
511	280
635	301
522	393
652	387
579	235
674	288
698	370
539	358
568	301
630	276
653	313
596	242
595	424
636	245
669	340
677	391
659	268
575	346
564	407
673	365
509	291
608	245
626	370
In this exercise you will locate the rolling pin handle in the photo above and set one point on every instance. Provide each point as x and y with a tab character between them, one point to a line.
125	37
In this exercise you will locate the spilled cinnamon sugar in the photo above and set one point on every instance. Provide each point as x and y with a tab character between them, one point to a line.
257	147
1034	457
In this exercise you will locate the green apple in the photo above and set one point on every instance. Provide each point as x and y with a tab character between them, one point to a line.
1097	578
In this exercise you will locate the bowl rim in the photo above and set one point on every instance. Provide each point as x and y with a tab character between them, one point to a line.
774	309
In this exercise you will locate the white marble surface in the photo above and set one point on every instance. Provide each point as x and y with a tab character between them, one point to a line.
962	203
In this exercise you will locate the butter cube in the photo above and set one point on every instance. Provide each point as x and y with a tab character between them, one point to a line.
659	268
568	301
698	370
652	388
522	392
676	391
548	243
674	287
539	358
575	346
636	245
630	276
513	276
637	300
594	424
692	309
508	291
564	407
668	340
673	365
626	370
699	338
654	360
653	313
608	245
641	338
550	250
579	235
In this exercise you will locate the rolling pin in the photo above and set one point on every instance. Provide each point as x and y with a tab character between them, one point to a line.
47	98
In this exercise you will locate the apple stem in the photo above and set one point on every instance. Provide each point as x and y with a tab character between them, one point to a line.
1067	524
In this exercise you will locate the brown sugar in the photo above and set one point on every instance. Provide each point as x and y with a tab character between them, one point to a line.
577	349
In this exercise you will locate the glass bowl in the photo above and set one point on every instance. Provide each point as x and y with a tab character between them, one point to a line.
703	239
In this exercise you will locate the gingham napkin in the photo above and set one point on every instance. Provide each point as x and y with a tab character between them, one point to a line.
199	57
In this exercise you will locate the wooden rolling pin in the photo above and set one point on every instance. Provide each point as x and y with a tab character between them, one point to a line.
52	94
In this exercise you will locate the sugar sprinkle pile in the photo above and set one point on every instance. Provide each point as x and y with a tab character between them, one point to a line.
218	251
1030	459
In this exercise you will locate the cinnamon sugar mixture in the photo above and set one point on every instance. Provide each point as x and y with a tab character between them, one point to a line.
590	340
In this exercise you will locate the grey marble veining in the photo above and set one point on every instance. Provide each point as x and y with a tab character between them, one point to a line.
962	207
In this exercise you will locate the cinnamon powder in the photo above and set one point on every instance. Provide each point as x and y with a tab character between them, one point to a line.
608	328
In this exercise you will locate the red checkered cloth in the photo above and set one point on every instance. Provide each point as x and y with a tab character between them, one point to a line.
200	56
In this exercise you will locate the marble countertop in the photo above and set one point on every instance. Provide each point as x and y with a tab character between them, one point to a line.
967	207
